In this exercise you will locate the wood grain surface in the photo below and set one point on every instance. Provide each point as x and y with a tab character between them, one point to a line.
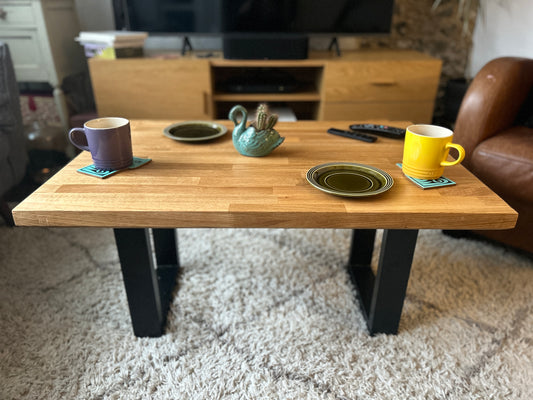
151	88
211	185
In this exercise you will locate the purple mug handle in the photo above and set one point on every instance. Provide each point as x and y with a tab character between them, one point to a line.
74	140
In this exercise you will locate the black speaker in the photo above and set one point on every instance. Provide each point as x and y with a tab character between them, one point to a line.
252	47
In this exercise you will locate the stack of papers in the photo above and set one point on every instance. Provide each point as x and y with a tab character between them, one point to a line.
112	44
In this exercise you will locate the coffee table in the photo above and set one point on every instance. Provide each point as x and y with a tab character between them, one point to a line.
210	185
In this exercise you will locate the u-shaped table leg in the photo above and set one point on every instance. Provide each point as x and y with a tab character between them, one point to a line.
382	295
149	270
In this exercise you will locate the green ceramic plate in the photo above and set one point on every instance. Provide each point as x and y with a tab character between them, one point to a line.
349	179
194	131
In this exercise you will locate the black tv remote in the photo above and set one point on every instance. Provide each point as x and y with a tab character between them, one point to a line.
353	135
380	130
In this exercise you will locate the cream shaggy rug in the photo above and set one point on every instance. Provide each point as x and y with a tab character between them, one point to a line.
261	314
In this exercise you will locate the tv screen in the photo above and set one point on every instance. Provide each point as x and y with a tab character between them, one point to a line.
227	17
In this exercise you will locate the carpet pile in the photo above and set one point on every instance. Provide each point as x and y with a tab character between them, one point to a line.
261	314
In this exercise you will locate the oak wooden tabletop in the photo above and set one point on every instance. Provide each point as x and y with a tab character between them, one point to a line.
210	184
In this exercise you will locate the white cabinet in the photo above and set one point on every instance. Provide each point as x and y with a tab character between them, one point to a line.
40	35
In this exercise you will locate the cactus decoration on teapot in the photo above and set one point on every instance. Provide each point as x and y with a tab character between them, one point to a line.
260	138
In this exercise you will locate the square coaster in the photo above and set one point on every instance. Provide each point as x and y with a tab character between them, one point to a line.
429	183
139	162
103	173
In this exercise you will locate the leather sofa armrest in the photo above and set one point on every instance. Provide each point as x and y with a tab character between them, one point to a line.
492	101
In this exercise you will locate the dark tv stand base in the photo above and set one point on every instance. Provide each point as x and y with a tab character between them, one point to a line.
186	45
334	44
257	47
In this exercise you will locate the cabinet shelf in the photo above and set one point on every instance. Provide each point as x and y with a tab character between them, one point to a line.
300	96
278	82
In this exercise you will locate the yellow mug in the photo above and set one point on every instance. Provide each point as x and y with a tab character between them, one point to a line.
426	149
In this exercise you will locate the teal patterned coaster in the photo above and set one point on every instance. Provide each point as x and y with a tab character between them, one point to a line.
429	183
103	173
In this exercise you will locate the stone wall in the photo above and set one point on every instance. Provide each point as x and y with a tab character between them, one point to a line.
442	33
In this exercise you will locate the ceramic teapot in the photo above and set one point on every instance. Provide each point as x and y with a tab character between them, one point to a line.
260	138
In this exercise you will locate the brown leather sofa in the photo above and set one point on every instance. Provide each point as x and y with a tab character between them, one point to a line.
495	126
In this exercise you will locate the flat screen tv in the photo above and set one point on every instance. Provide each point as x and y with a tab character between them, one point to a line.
257	28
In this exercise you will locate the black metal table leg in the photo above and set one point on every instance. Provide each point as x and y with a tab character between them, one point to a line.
382	295
149	283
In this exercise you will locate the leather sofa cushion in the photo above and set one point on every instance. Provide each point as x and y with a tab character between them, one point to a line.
505	163
520	236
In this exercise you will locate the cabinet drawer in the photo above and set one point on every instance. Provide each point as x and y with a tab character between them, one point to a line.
16	15
382	81
419	112
27	57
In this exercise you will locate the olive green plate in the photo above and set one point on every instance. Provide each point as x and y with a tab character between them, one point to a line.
349	179
194	131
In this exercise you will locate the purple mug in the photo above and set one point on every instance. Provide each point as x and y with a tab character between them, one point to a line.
107	139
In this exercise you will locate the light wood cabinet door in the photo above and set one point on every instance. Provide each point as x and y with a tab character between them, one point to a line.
152	88
418	112
381	81
383	89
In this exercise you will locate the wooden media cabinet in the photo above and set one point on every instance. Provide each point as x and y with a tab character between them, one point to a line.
358	85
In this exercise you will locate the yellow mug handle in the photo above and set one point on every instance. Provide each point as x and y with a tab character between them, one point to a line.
461	157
